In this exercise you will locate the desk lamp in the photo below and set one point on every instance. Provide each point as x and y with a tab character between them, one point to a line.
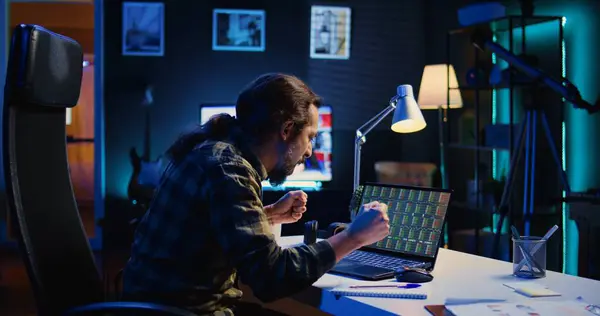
436	94
407	119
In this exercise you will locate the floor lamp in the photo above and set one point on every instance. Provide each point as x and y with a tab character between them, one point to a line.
439	91
407	119
436	94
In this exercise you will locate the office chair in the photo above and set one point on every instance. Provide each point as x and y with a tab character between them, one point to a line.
43	79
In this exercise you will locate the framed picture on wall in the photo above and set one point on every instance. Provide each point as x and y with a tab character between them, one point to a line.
239	30
330	32
143	28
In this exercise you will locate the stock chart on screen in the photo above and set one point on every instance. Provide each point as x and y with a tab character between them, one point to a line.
416	218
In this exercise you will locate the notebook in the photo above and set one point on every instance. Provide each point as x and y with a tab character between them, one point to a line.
417	294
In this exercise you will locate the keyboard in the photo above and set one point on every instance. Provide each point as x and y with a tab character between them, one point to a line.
382	261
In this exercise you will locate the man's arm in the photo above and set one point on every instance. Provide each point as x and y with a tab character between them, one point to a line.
267	210
243	231
343	244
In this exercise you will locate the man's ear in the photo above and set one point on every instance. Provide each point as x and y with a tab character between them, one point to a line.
286	130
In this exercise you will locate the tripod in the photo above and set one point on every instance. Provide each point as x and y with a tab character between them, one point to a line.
526	141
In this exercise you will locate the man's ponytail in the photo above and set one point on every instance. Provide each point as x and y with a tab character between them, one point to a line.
218	127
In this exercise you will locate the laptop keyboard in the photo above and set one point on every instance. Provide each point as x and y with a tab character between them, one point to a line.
381	261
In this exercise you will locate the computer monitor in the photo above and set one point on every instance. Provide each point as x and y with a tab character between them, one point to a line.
208	111
315	170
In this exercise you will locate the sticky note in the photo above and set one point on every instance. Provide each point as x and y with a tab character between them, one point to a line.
536	292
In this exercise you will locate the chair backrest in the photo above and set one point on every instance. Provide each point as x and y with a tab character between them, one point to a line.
43	79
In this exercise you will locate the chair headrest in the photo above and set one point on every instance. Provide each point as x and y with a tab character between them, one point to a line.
44	68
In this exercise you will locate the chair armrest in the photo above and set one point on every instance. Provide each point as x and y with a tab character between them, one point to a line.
145	308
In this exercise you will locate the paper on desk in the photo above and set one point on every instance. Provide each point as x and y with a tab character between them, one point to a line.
526	308
329	281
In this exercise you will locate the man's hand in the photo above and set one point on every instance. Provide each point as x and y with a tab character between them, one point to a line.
371	224
288	209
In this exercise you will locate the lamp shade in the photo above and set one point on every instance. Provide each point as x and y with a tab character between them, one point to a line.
434	88
407	115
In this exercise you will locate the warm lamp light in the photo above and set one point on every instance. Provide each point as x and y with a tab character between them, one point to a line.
407	119
434	88
407	116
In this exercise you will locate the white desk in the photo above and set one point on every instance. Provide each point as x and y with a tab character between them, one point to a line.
457	275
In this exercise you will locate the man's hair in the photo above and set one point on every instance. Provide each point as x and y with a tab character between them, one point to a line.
261	109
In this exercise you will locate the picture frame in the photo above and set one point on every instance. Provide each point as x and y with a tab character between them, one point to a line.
143	29
330	28
238	30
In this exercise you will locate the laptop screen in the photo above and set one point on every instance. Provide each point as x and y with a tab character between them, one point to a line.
416	217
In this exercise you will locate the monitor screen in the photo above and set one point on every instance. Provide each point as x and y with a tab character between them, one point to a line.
416	218
206	112
317	168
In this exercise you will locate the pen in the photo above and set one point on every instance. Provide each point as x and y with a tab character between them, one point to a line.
517	237
531	263
407	286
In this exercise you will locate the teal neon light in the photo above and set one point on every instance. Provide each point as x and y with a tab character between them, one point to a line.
495	217
494	117
565	210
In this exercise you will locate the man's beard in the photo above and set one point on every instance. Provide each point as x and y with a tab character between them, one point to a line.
285	168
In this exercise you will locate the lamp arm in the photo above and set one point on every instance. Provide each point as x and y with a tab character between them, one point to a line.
362	131
361	134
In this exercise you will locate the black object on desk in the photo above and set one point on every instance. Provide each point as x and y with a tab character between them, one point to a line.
413	275
310	232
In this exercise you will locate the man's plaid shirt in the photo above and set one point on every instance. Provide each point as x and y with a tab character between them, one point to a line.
205	225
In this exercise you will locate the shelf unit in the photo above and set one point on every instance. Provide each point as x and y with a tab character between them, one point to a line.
507	27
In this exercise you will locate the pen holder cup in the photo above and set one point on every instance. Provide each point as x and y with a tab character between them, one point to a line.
529	257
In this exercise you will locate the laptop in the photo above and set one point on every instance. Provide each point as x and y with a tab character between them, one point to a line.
417	216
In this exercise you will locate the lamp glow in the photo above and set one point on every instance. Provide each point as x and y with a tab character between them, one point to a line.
407	115
434	87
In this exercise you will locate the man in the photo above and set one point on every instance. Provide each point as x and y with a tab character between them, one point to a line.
207	225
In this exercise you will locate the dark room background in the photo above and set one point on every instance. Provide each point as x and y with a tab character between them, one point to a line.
191	73
391	42
388	48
